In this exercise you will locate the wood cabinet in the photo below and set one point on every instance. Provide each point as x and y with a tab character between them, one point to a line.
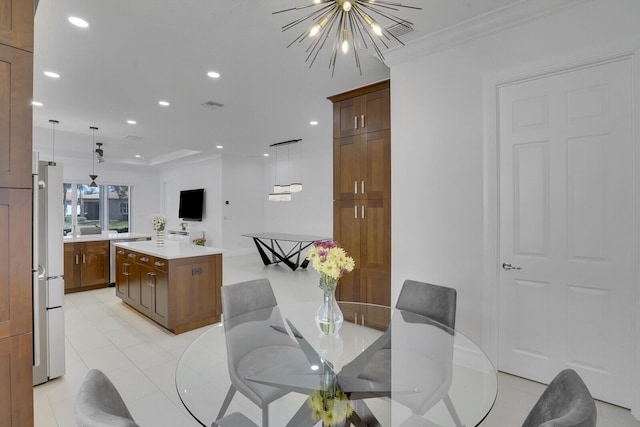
362	191
362	166
16	93
16	23
180	294
16	82
86	265
362	110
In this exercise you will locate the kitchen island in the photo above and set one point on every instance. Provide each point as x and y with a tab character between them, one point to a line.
175	285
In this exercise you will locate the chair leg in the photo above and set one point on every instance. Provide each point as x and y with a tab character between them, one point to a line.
265	416
452	411
227	401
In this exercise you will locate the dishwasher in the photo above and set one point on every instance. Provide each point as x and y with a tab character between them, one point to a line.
112	255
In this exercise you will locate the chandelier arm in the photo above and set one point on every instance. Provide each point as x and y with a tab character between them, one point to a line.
353	24
301	7
315	15
336	39
385	32
317	45
389	16
387	4
362	27
366	30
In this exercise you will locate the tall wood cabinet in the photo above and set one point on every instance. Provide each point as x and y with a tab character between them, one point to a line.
16	92
362	190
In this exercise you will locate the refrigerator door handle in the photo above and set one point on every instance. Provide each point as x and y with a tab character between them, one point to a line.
41	273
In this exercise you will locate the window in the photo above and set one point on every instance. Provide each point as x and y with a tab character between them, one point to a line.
105	206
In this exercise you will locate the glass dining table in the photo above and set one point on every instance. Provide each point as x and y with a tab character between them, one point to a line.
385	367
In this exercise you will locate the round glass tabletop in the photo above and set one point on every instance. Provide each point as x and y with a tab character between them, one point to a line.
385	367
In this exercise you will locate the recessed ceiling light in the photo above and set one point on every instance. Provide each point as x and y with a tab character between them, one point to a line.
37	104
51	74
78	22
313	122
219	147
131	122
213	74
266	154
164	103
138	156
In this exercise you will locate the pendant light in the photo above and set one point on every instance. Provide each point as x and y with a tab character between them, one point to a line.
53	145
280	191
93	159
296	187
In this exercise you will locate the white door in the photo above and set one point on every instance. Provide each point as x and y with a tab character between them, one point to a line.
566	200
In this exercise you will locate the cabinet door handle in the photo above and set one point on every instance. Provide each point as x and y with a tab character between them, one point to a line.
77	259
355	187
362	213
120	252
355	122
355	212
152	280
84	261
124	269
159	264
362	120
362	187
131	255
144	259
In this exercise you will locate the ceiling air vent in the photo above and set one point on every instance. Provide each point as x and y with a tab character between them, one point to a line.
212	105
133	138
400	29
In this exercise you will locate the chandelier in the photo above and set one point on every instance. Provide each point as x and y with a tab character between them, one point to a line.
353	24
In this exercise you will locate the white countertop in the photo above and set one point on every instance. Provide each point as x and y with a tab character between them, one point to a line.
104	236
170	250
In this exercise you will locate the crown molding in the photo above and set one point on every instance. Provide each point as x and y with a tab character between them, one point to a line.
506	17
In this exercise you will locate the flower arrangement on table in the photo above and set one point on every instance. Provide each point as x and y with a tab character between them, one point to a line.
330	407
159	222
329	260
200	241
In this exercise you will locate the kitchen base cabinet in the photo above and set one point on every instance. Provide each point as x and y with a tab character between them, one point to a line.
86	266
180	294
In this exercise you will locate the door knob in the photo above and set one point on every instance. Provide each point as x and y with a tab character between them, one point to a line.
508	267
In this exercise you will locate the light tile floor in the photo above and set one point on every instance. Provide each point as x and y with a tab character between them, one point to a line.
140	357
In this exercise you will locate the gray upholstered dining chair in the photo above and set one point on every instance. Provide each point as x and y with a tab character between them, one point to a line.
254	343
98	403
566	402
432	301
437	303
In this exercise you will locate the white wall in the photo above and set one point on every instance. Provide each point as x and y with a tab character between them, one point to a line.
437	142
203	173
242	187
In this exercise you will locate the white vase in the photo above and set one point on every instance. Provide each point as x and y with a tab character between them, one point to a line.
159	238
329	317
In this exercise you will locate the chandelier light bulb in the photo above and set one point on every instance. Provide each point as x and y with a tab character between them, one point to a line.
314	30
346	6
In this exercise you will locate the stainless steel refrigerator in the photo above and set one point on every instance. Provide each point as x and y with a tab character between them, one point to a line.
48	270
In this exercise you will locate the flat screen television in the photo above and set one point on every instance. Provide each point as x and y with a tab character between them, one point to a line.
191	205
